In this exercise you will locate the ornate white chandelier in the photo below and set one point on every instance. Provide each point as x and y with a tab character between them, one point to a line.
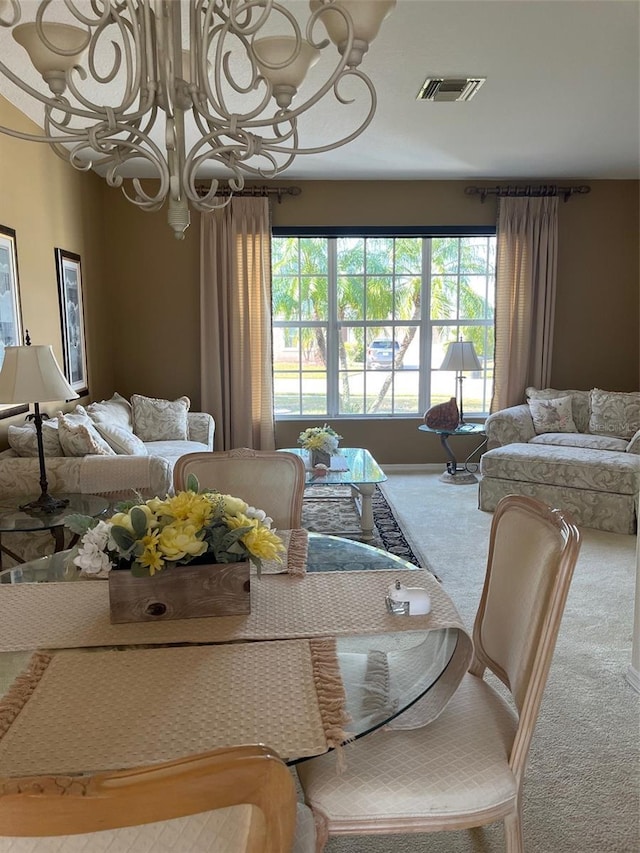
232	79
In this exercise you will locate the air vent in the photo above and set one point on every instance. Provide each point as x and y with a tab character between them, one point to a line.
449	88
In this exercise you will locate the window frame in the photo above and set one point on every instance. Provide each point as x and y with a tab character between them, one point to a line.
422	232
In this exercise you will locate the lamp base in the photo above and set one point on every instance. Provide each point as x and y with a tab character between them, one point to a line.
45	503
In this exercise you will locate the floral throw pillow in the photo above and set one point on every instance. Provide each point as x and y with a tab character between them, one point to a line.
614	413
23	439
122	440
81	439
116	411
160	420
552	415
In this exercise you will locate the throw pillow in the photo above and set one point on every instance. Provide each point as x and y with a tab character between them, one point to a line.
634	444
115	411
579	403
552	415
614	413
81	439
160	420
122	440
23	439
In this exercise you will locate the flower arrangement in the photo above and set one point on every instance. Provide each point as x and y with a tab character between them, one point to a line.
160	533
322	438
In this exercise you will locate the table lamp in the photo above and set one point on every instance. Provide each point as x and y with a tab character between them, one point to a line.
30	374
461	356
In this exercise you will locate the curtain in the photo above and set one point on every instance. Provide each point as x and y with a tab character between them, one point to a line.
525	296
235	323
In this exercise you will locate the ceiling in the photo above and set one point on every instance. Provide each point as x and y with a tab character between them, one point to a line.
561	100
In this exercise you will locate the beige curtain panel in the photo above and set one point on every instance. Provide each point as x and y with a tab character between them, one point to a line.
527	248
235	323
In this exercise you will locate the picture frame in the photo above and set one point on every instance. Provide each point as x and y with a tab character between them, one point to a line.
10	307
74	351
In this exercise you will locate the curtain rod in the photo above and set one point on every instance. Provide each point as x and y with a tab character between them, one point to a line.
253	191
528	190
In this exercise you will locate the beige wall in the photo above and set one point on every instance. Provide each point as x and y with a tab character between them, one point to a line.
142	284
49	204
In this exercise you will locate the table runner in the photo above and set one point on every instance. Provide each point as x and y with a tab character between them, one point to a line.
329	604
83	711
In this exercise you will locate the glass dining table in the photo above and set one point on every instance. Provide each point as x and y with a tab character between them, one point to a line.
384	673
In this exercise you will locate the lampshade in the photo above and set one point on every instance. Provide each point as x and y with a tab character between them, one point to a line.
71	40
31	374
461	355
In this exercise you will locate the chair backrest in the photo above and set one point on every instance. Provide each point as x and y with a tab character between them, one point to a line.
532	553
251	775
267	479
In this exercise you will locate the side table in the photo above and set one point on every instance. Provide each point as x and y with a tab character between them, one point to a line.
455	473
15	520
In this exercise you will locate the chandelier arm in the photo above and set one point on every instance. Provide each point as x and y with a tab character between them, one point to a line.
17	14
90	22
246	6
59	51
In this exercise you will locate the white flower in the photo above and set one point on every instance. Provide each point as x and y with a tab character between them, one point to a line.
260	514
92	556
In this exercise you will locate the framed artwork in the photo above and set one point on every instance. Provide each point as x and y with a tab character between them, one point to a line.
10	311
72	319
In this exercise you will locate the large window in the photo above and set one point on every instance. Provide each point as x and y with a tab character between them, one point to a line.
361	323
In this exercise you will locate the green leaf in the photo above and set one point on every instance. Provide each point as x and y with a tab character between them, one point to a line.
123	538
192	484
139	571
138	522
80	523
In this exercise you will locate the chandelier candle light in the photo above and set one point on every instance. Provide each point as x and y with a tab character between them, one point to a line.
226	90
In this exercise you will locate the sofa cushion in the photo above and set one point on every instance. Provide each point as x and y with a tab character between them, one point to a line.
578	439
121	439
79	438
160	420
115	411
572	467
173	450
24	441
614	413
579	403
552	415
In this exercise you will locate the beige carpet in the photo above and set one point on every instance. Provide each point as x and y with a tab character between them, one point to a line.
582	791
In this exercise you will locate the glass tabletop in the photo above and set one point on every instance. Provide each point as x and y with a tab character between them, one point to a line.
463	429
383	674
12	518
361	468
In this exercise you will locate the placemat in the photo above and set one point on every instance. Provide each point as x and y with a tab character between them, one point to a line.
323	604
81	711
294	560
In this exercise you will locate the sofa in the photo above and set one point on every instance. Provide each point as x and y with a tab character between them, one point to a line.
114	448
577	450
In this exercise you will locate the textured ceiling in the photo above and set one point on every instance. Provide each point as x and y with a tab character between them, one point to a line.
561	101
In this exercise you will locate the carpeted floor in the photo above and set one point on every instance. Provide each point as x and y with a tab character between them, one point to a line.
582	792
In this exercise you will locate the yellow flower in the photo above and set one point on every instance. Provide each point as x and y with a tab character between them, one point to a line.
179	540
263	543
234	507
194	508
150	557
233	522
123	519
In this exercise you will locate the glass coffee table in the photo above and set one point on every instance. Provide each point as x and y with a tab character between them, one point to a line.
354	467
16	520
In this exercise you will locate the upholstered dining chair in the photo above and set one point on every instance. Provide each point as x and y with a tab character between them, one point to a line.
466	768
232	800
268	479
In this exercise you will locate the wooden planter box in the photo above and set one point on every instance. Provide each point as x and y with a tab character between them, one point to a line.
181	592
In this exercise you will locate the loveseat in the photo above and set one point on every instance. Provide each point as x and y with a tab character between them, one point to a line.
114	448
577	450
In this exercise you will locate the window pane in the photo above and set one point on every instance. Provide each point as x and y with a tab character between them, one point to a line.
349	322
